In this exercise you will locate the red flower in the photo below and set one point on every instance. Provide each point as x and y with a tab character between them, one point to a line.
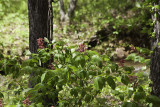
27	102
1	105
41	47
51	67
132	78
121	62
1	102
81	48
40	43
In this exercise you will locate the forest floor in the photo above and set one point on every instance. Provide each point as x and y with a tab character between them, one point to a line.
15	40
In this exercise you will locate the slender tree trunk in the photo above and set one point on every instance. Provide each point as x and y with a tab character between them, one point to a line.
71	9
38	22
40	26
155	58
66	16
61	10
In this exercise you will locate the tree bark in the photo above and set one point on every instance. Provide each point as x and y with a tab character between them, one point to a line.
40	25
155	58
61	10
38	22
71	9
66	16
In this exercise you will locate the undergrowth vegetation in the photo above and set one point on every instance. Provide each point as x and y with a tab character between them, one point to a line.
77	76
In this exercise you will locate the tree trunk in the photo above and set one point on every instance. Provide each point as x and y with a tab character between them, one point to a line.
66	17
38	22
61	10
71	9
155	58
40	26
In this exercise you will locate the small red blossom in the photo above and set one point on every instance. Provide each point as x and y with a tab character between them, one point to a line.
1	103
132	79
82	48
28	96
51	67
27	102
121	62
40	43
41	47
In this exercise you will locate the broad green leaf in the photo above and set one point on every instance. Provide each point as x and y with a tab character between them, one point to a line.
59	56
26	62
82	62
129	69
121	96
111	82
46	40
61	43
99	83
82	74
27	69
19	105
75	54
81	83
139	95
53	41
138	5
38	86
114	67
140	89
96	58
96	84
1	95
153	99
1	55
32	105
83	93
88	98
28	53
116	92
131	56
129	104
130	93
107	71
125	79
86	57
100	64
39	105
92	53
43	77
74	92
156	6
